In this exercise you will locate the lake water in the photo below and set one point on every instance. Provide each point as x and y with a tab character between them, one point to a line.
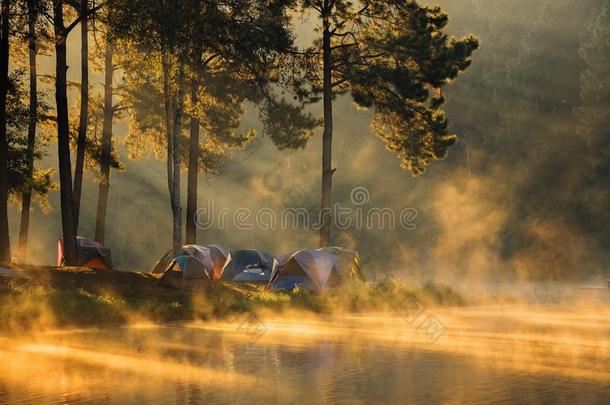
468	355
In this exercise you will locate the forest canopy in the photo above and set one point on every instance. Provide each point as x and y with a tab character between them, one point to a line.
126	118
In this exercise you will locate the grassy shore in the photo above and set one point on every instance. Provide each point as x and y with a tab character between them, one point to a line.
51	297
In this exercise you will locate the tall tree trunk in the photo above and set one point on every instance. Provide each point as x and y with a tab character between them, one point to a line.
5	245
177	207
81	141
26	198
102	196
327	137
63	136
191	197
167	101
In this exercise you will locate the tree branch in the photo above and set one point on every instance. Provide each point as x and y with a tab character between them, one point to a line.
342	46
78	19
339	82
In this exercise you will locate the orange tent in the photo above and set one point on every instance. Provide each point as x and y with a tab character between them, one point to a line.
90	254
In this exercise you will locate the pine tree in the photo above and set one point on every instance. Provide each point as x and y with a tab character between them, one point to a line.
82	8
228	54
33	37
5	29
106	158
60	36
24	179
395	58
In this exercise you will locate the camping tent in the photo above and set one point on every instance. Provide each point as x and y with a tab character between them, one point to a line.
348	263
187	274
313	270
193	268
249	266
90	254
212	257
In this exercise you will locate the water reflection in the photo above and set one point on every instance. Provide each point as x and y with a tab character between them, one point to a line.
487	355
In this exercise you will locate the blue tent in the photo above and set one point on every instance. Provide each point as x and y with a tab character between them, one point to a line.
248	266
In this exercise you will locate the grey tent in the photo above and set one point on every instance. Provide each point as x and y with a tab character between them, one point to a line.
248	266
312	270
348	263
212	256
187	274
195	267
